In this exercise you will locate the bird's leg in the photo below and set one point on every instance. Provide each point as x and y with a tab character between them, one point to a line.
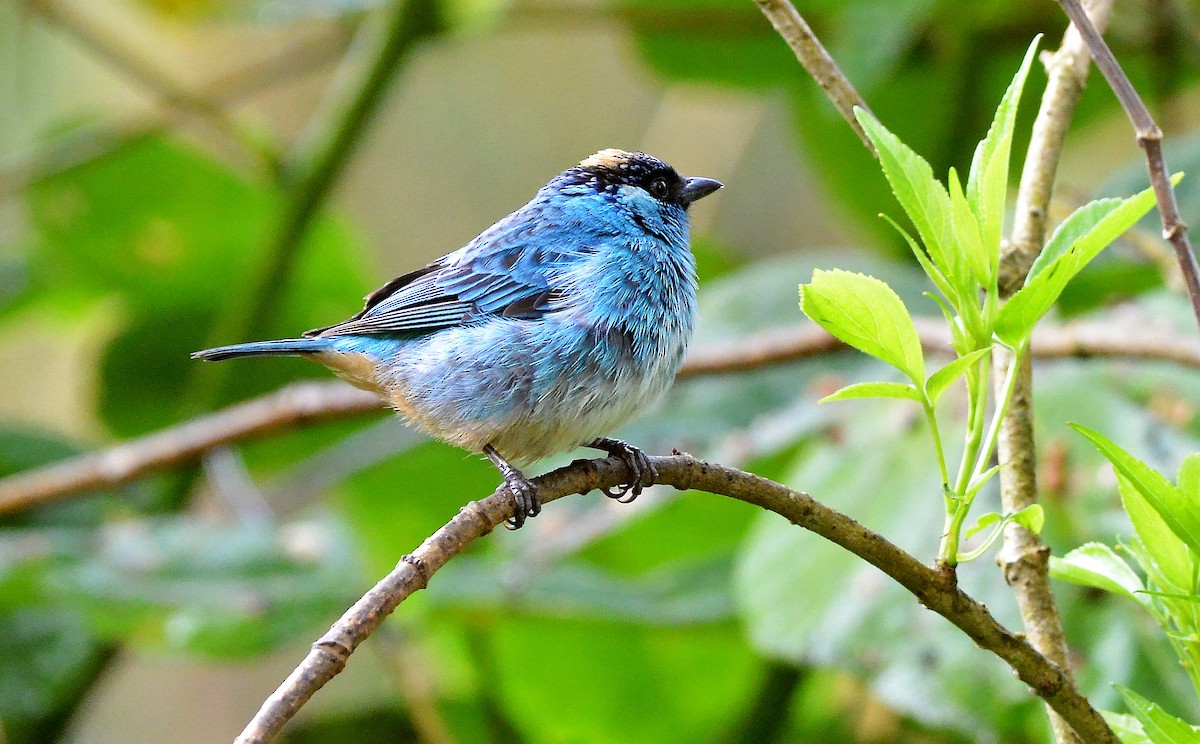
644	474
525	494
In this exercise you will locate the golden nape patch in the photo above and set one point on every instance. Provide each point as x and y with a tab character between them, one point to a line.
609	158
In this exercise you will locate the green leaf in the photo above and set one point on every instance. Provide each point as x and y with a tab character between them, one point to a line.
1159	725
1024	309
1096	565
866	314
1173	595
1180	513
987	181
1075	226
925	201
1165	558
1127	728
967	234
875	390
1032	518
940	381
984	521
535	653
934	274
1189	476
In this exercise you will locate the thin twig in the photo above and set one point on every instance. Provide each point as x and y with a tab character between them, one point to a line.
1024	559
934	589
117	53
314	402
817	61
1149	138
304	57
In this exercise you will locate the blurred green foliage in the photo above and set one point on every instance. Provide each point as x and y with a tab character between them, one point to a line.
685	618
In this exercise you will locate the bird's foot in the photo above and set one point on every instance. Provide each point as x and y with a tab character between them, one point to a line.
526	501
644	474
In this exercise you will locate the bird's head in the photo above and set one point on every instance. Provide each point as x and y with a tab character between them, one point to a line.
646	188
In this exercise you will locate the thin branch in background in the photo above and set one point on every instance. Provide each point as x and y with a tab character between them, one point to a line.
302	58
116	52
816	60
282	410
310	173
1149	138
1024	559
309	403
330	653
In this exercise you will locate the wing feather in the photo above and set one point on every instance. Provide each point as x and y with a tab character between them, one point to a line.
509	270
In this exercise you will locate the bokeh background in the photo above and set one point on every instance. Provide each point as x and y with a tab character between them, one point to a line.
158	163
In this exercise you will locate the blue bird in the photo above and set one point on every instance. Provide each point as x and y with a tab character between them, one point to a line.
548	330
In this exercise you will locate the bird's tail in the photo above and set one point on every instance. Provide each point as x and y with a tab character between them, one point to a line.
281	347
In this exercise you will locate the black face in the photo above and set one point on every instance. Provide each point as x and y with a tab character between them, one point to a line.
610	169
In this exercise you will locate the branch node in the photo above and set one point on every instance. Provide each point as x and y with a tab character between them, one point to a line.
1148	135
336	652
475	510
421	568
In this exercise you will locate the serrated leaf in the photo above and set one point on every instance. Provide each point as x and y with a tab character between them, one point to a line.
1159	725
934	274
984	521
866	314
1032	518
875	390
1075	226
987	181
940	381
1189	476
925	201
968	236
1180	513
1164	558
1127	728
1017	317
1096	565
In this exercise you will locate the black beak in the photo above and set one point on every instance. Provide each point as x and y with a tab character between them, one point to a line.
698	188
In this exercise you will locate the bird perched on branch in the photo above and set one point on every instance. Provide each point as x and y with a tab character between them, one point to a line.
551	328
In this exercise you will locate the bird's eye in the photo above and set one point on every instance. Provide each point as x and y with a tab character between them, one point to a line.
659	188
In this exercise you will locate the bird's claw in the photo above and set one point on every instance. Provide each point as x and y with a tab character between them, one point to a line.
526	500
642	471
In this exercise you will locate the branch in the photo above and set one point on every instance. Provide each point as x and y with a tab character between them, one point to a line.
1149	138
292	406
816	60
1024	559
932	588
315	402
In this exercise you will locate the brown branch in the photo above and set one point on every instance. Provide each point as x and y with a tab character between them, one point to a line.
816	60
1024	559
932	588
314	402
1149	138
285	409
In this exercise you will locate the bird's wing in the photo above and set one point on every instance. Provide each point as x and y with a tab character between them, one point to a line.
496	274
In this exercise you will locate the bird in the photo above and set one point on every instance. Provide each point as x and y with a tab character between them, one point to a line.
551	328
